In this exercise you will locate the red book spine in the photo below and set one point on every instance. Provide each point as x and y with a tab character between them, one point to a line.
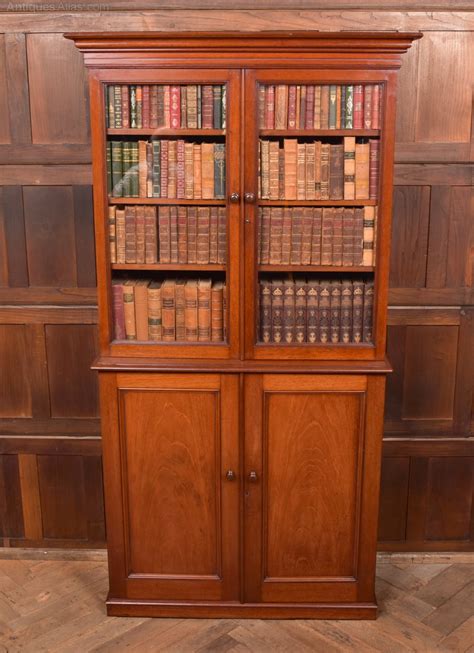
175	107
164	169
207	107
146	107
309	115
374	150
270	108
376	100
125	107
292	107
368	106
182	235
154	106
358	106
118	312
180	181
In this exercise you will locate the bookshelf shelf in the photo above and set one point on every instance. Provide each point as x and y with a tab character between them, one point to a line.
294	133
163	131
165	201
178	267
317	202
347	269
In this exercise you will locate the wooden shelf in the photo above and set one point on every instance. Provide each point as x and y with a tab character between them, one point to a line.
178	267
320	132
318	202
164	200
162	131
316	268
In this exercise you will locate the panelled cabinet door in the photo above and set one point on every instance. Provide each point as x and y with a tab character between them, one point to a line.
171	451
310	515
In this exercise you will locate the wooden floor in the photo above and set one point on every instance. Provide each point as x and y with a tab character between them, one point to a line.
58	605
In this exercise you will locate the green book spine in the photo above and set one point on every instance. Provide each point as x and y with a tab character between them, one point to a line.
349	107
332	106
219	170
156	169
217	112
199	107
117	169
343	107
224	106
108	159
134	186
127	165
133	106
117	107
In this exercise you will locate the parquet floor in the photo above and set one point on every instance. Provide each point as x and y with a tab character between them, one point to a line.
58	606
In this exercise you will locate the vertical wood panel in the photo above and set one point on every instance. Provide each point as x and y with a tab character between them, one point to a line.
94	498
4	113
37	370
18	93
11	514
396	340
460	259
14	381
30	496
393	498
407	95
14	226
84	225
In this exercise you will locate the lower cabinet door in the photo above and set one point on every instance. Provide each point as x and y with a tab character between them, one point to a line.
172	485
312	463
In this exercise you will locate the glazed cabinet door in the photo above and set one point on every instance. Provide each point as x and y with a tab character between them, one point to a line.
172	489
312	458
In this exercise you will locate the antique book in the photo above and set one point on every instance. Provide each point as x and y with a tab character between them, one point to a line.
336	172
142	169
217	323
324	311
207	107
207	171
335	320
332	106
290	146
346	311
204	310
156	169
348	237
213	227
265	310
164	168
327	236
300	171
164	233
265	238
154	310
189	171
286	236
276	232
374	150
191	310
358	111
292	107
316	236
168	310
325	106
129	309
219	170
264	147
281	106
367	319
306	237
179	294
312	311
309	111
368	88
368	235
358	236
180	170
141	308
118	313
337	236
172	169
357	309
277	310
310	155
146	106
203	231
300	311
273	171
349	167
217	106
182	235
296	235
221	234
112	234
120	235
288	311
325	154
362	171
117	169
140	233
174	234
197	172
192	234
130	235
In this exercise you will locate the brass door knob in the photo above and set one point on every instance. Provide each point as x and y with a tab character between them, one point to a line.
253	478
235	197
250	197
230	476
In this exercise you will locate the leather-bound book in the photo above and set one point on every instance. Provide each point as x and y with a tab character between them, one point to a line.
277	310
306	235
172	169
348	237
191	106
118	310
300	311
141	308
317	107
286	236
182	235
324	311
376	102
281	106
204	310
140	233
288	311
298	106
125	106
117	168
265	239
167	105
154	106
325	155
362	171
192	234
368	235
336	172
302	116
180	171
270	107
179	295
325	106
265	310
264	169
161	106
219	171
261	106
146	106
273	174
332	106
197	171
327	236
290	146
309	113
316	236
281	173
156	169
129	310
346	311
217	316
368	92
310	156
133	171
126	165
120	235
207	171
358	115
349	167
296	235
112	235
276	233
337	236
217	106
213	228
335	321
130	235
301	171
203	231
317	170
117	107
142	169
164	234
349	112
133	106
174	234
221	234
168	310
175	107
374	151
154	311
188	171
149	169
357	309
207	107
358	236
164	168
342	108
191	310
312	311
108	164
199	106
110	105
368	313
139	88
292	106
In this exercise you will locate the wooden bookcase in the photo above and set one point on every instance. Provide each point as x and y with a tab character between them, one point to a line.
242	436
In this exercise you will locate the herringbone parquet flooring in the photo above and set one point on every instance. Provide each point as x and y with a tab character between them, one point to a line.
58	606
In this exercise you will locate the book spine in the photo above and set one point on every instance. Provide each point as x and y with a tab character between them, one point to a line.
154	106
112	235
288	311
337	237
302	116
301	171
316	237
154	311
358	236
290	147
270	107
374	150
141	310
281	103
164	234
306	236
126	168
164	168
317	107
273	175
110	106
317	170
277	310
362	171
182	235
261	106
217	326
219	170
133	106
117	107
276	233
286	236
146	107
324	311
310	172
140	233
325	106
207	171
376	106
125	107
183	107
204	310
338	107
175	107
368	89
120	234
188	171
265	311
358	111
312	312
108	163
300	312
342	104
203	224
130	235
139	92
192	234
197	172
149	165
180	172
207	107
217	106
213	236
117	169
191	311
349	112
142	169
179	290
367	319
335	320
349	168
172	169
191	106
167	106
348	237
151	244
346	312
156	169
292	106
222	235
296	236
309	115
118	312
174	233
336	172
327	236
332	106
129	311
357	310
264	147
133	172
168	310
324	184
368	235
265	239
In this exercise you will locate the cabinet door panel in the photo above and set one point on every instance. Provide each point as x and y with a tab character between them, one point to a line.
307	439
177	439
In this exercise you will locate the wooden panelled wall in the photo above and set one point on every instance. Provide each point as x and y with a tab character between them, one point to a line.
50	471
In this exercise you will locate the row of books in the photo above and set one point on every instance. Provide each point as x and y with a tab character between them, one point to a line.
316	236
155	106
172	169
334	106
185	310
316	311
168	234
318	170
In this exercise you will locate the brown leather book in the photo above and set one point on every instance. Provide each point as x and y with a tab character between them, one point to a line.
301	171
358	235
191	310
221	234
197	171
312	311
151	241
358	111
362	171
168	310
154	311
346	311
130	235
292	106
281	173
161	106
129	309
281	106
317	107
164	168
167	105
204	310
274	184
349	167
324	311
376	104
142	169
175	107
265	239
302	117
325	154
338	107
140	233
125	107
335	320
179	297
213	236
298	105
182	235
276	233
374	151
149	169
368	235
368	92
348	237
164	234
325	106
118	310
317	170
270	107
288	311
192	234
337	236
316	237
189	171
309	113
300	311
296	235
120	234
290	146
207	173
172	169
310	156
265	310
154	106
286	236
368	313
277	310
146	106
174	234
357	309
207	107
264	169
261	106
217	324
327	236
203	226
141	308
306	235
180	171
112	235
191	106
336	172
